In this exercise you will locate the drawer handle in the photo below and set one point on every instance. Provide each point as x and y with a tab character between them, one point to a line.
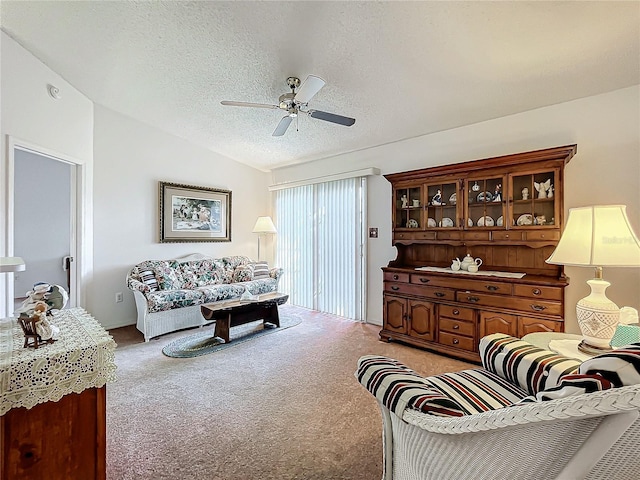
537	291
456	326
395	277
456	341
474	299
492	288
440	294
538	308
395	287
425	280
456	311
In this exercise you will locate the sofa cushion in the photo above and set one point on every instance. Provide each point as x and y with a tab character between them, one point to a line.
399	387
574	384
198	273
243	273
167	275
260	270
148	277
223	291
169	299
263	285
621	366
533	369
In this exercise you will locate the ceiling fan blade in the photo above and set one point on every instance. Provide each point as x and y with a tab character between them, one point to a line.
282	126
332	117
247	104
309	88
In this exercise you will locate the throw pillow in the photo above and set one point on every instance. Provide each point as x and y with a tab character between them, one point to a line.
260	270
243	273
149	279
621	367
575	384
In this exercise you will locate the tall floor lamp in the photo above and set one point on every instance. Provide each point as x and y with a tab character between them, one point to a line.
597	236
263	226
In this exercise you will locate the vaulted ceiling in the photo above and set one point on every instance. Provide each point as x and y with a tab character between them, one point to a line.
401	69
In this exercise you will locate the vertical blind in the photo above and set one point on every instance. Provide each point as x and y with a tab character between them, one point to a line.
320	245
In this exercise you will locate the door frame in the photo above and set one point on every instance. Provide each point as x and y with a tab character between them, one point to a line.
80	250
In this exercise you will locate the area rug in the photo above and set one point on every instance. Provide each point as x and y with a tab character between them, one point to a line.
203	342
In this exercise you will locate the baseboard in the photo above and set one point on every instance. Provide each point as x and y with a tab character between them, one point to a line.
114	325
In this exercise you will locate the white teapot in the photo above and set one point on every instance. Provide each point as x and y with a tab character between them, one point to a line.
469	260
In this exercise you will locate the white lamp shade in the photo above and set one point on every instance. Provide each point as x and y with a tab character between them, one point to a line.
598	236
264	225
12	264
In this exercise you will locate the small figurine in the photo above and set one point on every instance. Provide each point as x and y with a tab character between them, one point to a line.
542	188
497	197
43	327
525	193
405	201
416	202
550	192
540	220
437	198
475	187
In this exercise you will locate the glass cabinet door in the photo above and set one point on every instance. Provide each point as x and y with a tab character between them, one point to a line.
485	203
442	205
534	202
408	208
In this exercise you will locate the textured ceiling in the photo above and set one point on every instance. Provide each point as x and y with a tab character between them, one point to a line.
402	69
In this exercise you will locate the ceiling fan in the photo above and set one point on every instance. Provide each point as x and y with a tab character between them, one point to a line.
295	103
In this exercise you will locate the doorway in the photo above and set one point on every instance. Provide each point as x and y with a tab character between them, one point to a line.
44	223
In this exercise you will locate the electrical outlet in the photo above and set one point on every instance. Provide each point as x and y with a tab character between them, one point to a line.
119	297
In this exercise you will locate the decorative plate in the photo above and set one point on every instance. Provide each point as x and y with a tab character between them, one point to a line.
469	222
446	222
453	199
500	221
484	197
526	219
485	222
431	222
412	223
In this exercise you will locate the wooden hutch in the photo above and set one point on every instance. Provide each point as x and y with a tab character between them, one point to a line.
507	211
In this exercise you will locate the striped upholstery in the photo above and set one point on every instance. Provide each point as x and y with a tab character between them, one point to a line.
148	277
621	366
574	384
260	270
533	369
449	394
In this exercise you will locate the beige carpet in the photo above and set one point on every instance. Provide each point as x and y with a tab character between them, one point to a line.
285	406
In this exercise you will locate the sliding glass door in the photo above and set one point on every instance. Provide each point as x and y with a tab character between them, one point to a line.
320	245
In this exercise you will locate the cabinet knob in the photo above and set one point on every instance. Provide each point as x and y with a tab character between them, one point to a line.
506	236
456	311
440	294
395	277
492	288
456	341
395	287
472	299
538	308
537	291
425	280
456	326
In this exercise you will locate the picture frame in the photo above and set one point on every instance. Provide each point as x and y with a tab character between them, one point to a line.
190	213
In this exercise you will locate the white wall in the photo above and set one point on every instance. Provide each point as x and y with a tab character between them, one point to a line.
30	116
130	159
606	170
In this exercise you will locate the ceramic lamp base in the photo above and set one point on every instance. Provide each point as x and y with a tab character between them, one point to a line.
598	316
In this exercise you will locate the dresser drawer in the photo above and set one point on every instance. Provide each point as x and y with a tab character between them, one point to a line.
532	291
449	235
529	305
458	341
396	277
419	290
542	235
511	236
462	282
459	313
457	327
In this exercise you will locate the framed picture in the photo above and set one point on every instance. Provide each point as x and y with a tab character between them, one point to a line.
194	214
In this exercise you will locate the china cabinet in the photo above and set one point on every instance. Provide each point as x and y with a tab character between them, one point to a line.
506	211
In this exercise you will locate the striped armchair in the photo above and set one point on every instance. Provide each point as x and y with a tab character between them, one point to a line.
529	413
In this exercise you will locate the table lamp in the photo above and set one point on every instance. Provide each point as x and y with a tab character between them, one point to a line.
597	236
12	264
263	226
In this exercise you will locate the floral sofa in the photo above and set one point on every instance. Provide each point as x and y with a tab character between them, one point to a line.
528	413
168	293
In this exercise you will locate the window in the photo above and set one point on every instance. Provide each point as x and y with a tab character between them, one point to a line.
320	245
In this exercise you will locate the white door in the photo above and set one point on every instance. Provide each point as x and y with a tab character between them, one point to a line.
44	213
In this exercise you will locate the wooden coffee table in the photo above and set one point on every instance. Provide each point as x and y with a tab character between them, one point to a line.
234	313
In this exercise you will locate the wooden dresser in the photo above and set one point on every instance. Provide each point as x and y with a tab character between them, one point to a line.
507	211
53	401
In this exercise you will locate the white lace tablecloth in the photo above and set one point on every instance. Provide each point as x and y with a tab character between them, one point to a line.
81	358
